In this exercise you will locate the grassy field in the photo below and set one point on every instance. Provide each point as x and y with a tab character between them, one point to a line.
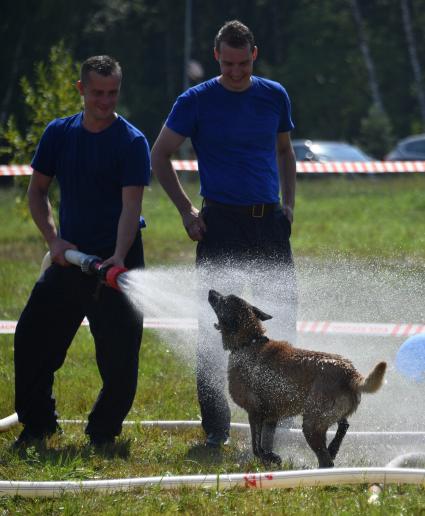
371	218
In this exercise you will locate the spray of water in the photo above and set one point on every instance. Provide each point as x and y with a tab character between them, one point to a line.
335	290
167	293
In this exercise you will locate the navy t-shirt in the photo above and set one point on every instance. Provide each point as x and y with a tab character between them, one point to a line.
91	169
234	137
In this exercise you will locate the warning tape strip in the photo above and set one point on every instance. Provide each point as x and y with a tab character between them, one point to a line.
317	327
303	167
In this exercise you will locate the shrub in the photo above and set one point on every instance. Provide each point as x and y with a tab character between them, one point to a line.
51	96
376	134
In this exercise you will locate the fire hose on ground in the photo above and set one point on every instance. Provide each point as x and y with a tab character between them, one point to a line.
268	480
394	473
403	469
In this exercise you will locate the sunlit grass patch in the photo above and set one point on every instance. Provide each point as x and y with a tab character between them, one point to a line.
362	218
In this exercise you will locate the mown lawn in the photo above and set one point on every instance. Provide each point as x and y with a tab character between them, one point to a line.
373	218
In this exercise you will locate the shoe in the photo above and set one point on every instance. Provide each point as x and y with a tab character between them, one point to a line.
31	436
214	440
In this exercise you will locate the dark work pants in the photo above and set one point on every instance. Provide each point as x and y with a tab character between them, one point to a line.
60	300
239	253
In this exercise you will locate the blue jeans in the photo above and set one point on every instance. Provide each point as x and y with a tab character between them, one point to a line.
240	254
60	300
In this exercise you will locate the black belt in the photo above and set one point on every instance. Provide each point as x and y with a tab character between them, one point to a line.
253	210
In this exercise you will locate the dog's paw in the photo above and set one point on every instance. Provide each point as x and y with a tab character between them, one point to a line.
269	458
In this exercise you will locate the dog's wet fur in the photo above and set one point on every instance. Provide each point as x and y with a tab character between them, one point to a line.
273	380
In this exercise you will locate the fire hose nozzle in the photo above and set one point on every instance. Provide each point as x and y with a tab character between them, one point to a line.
90	264
111	277
108	274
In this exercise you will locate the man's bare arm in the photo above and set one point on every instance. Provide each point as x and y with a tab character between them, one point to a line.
128	224
167	143
41	212
287	172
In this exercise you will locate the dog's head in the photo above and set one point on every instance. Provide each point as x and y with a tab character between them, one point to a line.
238	321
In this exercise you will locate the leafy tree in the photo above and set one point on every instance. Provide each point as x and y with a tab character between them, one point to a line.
52	95
311	47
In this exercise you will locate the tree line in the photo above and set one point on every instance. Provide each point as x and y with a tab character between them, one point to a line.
353	68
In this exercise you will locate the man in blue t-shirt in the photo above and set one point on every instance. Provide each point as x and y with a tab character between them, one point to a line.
240	127
101	163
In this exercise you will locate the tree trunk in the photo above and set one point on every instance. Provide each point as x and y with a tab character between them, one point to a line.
364	47
416	67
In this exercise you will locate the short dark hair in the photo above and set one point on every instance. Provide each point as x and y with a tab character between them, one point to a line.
103	65
235	34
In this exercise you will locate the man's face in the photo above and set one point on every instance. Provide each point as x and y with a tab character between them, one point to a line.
100	95
236	66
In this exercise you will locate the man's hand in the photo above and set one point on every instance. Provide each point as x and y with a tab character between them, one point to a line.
57	248
288	212
194	224
115	260
167	144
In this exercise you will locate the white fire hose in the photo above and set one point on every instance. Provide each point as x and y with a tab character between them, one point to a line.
273	479
90	264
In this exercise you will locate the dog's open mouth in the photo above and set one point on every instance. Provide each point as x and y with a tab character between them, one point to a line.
214	299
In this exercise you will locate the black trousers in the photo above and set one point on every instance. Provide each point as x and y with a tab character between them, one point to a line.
59	301
238	254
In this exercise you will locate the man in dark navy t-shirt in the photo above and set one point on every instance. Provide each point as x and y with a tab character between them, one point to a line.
239	125
101	163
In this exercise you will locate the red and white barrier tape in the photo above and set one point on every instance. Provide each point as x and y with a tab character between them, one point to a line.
360	167
15	170
303	167
318	327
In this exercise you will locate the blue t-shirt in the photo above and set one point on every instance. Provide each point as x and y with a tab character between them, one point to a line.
91	169
234	137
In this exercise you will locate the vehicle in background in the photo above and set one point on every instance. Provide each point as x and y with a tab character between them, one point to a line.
322	151
408	149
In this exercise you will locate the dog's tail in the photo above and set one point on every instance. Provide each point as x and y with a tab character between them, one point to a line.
374	380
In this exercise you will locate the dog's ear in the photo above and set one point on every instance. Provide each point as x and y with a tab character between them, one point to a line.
259	314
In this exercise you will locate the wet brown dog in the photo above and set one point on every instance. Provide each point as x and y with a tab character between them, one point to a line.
272	380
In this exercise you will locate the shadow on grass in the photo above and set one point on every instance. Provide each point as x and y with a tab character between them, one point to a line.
203	455
44	454
225	455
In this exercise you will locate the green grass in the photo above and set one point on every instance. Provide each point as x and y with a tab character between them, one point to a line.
382	218
363	217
